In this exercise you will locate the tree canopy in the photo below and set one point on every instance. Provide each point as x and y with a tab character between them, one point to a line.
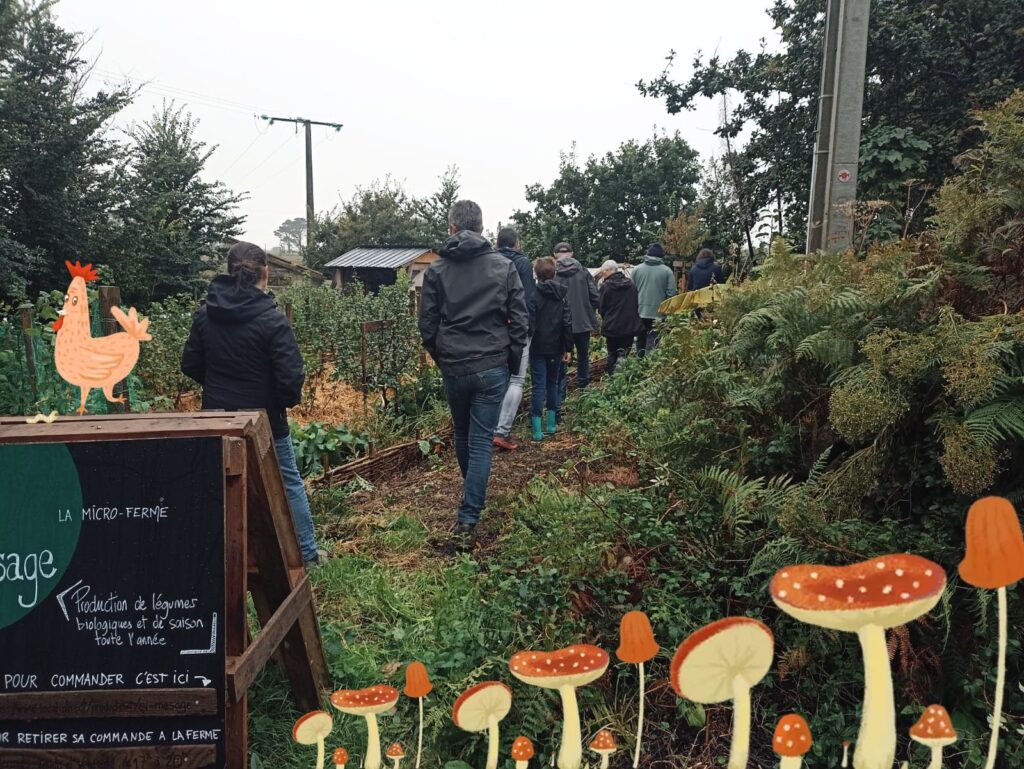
612	206
384	214
928	66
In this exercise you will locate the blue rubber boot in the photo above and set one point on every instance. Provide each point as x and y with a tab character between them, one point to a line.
552	418
538	432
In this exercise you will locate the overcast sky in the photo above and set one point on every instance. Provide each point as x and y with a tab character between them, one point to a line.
496	89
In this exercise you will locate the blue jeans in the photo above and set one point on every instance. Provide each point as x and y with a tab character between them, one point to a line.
513	396
475	401
297	500
582	344
545	371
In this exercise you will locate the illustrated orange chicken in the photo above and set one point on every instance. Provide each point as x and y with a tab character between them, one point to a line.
89	362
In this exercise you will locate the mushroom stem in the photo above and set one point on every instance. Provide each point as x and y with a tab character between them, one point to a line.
320	753
492	743
936	762
846	755
397	760
521	764
372	743
997	708
570	752
604	761
419	746
876	740
740	748
790	762
639	721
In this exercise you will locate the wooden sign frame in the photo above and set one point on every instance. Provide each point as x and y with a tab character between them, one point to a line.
261	558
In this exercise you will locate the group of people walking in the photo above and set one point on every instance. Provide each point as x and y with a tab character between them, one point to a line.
487	316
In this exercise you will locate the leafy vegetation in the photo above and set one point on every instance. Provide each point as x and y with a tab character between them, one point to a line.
319	446
613	206
834	408
970	51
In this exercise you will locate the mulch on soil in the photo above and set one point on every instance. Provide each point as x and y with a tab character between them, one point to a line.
430	494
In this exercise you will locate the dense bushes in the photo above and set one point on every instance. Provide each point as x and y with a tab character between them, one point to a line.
837	408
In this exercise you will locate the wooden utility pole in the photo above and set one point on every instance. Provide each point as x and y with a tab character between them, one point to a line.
837	142
310	210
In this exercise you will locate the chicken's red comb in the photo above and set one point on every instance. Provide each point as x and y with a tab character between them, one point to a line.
87	273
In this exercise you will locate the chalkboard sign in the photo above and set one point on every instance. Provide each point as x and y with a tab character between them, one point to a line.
122	643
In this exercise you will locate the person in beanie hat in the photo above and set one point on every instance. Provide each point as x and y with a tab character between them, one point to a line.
654	284
620	316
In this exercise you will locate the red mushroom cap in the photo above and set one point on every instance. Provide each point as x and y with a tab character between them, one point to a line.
603	742
522	749
340	757
886	591
361	702
792	736
573	666
314	725
395	750
707	662
934	728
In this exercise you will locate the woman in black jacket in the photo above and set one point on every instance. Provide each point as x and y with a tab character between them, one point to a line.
620	314
550	346
244	354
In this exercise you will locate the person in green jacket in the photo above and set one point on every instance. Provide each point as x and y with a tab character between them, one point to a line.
654	284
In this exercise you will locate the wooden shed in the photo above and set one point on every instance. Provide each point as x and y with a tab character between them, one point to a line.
376	266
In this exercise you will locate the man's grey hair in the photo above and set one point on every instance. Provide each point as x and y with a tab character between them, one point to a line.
466	215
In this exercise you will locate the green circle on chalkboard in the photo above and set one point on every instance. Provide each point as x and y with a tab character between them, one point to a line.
41	518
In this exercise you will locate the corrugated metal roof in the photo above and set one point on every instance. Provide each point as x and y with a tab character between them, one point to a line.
384	257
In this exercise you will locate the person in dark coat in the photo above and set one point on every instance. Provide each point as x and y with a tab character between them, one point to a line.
582	295
475	324
508	246
620	312
244	354
705	271
550	347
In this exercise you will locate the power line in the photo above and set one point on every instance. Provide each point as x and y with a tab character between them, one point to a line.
310	210
259	135
268	157
153	84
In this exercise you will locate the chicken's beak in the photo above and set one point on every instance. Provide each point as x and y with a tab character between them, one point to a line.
59	322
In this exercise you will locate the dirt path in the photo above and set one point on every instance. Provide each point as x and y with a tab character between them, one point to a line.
426	497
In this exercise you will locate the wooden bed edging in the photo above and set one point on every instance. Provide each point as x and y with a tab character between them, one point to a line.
394	459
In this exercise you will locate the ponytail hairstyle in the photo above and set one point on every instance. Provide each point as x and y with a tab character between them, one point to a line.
245	263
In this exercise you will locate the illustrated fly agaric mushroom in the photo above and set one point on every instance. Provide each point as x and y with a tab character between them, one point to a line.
563	670
396	753
637	646
522	751
724	661
865	598
418	686
791	741
340	757
367	703
934	729
312	729
994	560
846	754
482	707
604	745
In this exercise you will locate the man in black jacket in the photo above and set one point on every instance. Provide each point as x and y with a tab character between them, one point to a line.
508	245
620	313
474	323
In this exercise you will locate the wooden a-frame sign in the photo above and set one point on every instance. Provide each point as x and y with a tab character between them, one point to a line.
124	641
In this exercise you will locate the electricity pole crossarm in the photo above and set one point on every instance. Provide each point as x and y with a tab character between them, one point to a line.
307	124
